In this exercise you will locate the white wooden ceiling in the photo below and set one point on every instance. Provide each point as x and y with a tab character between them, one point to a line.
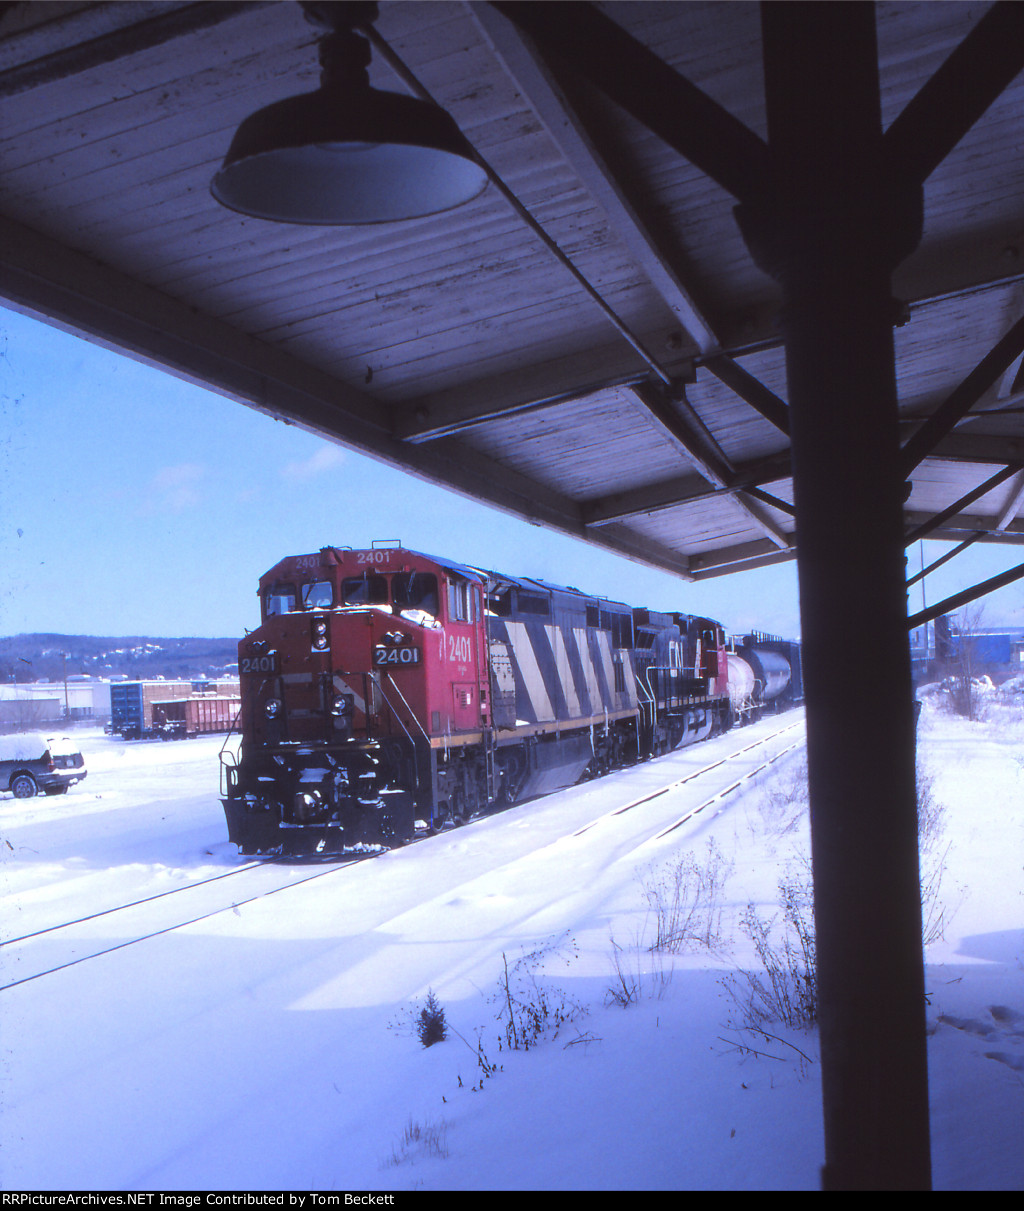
460	346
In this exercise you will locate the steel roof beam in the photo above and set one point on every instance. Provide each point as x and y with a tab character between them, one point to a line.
425	421
979	448
966	597
579	146
741	557
748	388
683	490
679	421
958	93
963	398
767	498
646	87
958	506
1013	502
959	527
81	40
652	498
968	542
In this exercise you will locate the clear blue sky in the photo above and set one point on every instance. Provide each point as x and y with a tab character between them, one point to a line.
133	503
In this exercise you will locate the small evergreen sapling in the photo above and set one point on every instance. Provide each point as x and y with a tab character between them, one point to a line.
431	1027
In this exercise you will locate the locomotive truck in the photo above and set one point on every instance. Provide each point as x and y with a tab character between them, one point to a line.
385	688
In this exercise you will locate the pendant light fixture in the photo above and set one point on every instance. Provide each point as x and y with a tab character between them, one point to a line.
347	154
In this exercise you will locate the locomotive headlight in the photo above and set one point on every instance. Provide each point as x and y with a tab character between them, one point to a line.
320	635
272	708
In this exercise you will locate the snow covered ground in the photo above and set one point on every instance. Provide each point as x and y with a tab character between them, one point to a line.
272	1045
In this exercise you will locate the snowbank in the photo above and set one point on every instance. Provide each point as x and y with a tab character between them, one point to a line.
272	1046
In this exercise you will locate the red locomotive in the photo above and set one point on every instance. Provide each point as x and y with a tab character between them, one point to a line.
386	687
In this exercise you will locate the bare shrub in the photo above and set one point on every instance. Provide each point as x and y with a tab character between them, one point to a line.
933	855
786	990
784	797
529	1007
625	988
420	1139
685	900
962	682
639	970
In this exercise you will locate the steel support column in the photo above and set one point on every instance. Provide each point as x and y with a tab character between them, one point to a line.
831	232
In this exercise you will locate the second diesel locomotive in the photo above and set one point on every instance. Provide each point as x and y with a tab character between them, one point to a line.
385	687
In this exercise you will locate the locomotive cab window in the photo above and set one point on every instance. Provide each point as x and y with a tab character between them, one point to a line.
460	601
415	591
709	653
364	590
279	599
317	595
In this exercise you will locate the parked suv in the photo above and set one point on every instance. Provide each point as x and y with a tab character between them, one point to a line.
30	763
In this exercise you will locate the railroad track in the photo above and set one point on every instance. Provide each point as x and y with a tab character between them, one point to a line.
694	775
72	938
12	950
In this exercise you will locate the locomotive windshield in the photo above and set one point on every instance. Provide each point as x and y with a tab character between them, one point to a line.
279	599
415	591
285	599
317	595
407	591
364	590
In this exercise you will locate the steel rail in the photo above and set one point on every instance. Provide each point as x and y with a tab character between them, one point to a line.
104	912
156	933
690	777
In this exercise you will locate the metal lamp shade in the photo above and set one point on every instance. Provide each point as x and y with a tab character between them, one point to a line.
347	156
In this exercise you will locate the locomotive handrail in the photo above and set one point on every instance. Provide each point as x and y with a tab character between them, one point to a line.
650	700
225	765
412	715
661	668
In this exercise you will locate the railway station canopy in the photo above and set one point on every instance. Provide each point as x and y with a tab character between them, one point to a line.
634	271
574	328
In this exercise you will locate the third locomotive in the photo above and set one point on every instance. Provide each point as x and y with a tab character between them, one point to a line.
386	687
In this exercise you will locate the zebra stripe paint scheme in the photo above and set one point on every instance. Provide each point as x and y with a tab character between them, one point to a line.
563	673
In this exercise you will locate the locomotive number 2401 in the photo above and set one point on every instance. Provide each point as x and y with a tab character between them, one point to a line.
460	648
384	654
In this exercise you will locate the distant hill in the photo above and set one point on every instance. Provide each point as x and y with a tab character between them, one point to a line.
38	657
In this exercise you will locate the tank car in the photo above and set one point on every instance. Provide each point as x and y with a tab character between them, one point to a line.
385	688
764	674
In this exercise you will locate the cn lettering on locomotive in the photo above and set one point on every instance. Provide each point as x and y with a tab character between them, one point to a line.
386	690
